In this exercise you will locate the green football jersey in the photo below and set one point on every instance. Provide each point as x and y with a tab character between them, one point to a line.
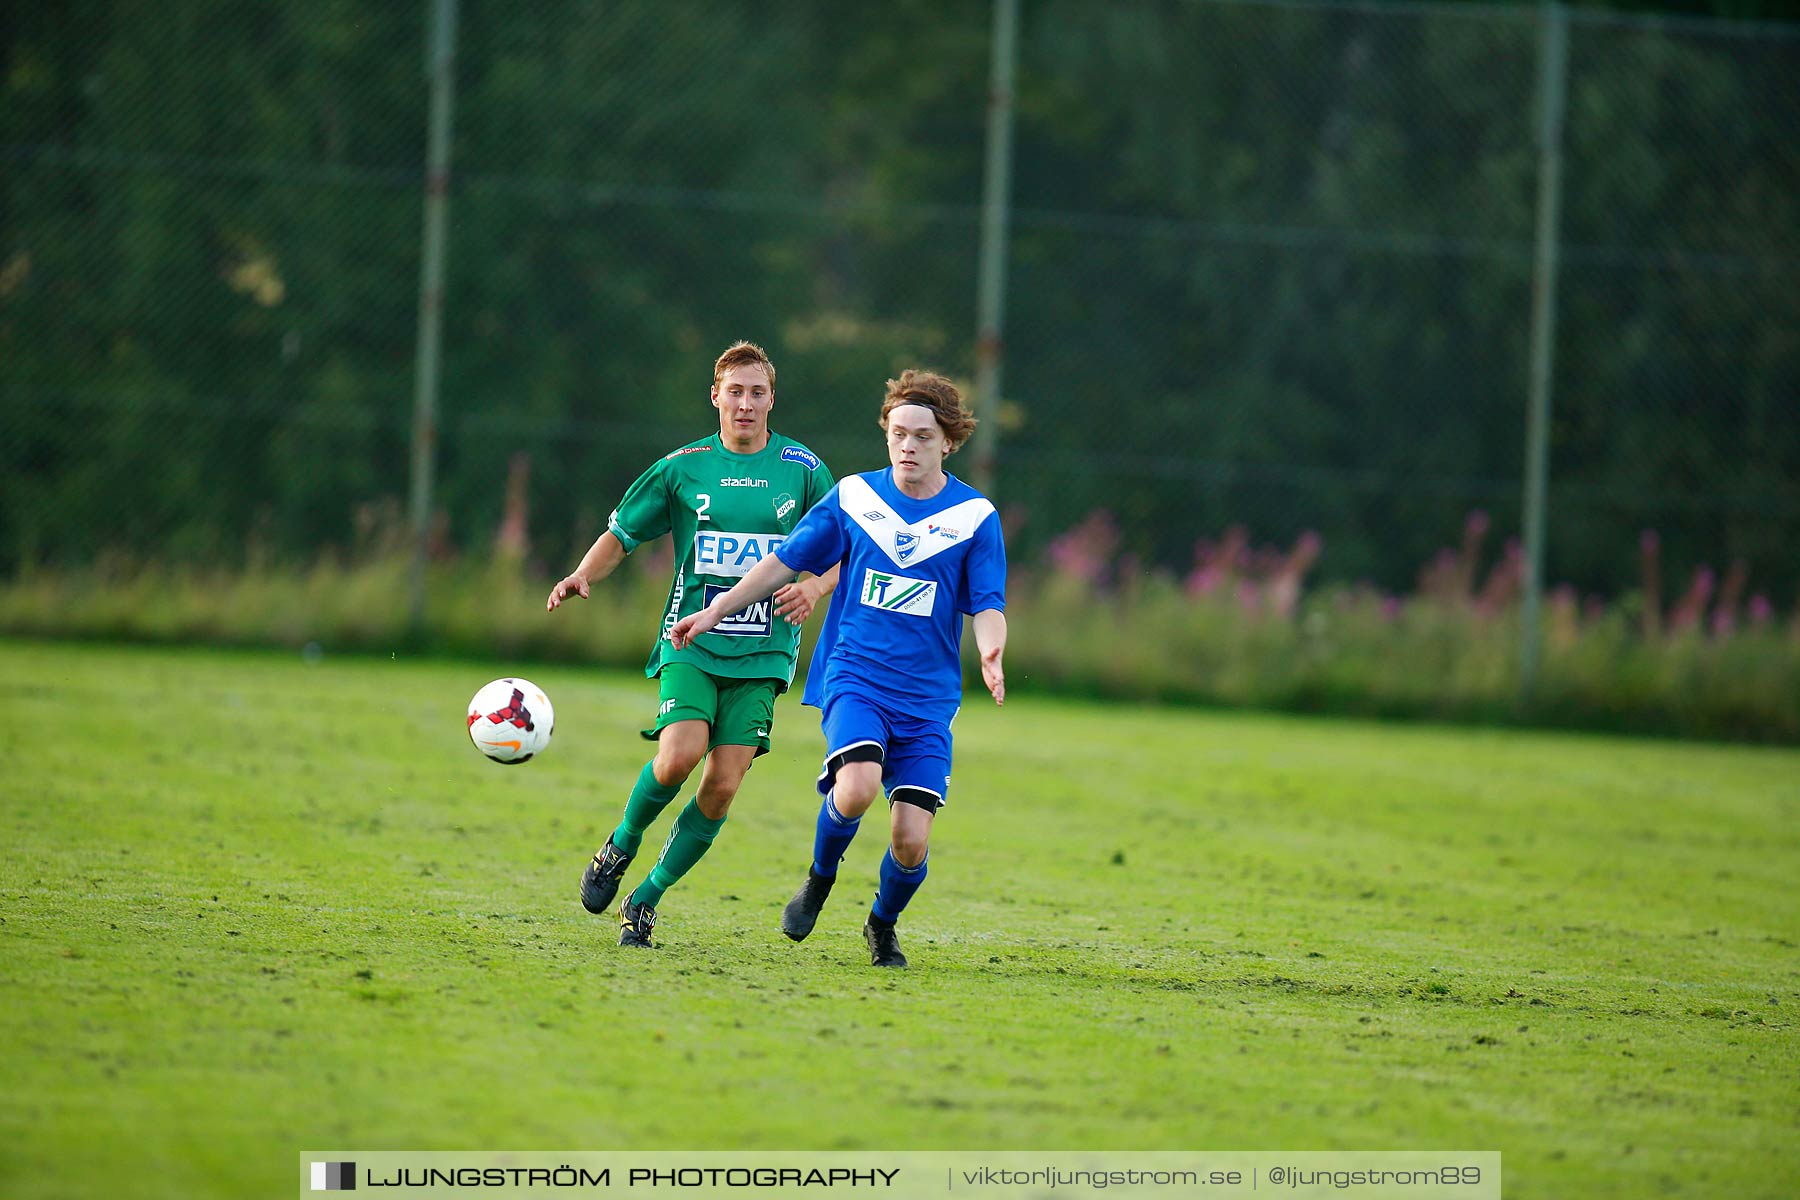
727	512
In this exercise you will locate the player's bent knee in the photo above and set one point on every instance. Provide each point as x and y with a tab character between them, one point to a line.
853	796
911	810
909	851
726	767
715	793
680	746
673	765
855	778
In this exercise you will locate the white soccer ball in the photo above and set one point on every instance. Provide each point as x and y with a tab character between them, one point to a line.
510	720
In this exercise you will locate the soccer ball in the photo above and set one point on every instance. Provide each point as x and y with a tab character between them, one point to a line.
510	720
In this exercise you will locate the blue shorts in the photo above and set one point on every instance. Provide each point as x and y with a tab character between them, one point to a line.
914	753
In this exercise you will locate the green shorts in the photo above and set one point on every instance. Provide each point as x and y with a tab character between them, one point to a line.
741	712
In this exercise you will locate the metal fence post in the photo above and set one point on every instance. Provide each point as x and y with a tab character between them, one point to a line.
1552	91
996	205
441	63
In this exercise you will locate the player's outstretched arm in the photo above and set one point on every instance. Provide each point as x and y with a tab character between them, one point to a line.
990	639
758	584
796	601
606	553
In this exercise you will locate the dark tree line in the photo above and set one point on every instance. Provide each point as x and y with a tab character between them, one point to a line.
1270	266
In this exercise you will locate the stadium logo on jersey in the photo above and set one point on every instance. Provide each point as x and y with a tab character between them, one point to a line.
784	504
686	450
732	554
805	458
897	593
751	622
742	481
904	545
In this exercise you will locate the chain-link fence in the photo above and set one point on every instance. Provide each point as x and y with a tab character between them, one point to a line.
1271	266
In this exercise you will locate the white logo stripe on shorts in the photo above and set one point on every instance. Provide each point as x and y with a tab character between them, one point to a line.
913	787
825	771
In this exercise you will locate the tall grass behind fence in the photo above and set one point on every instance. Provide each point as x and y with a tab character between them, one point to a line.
1242	627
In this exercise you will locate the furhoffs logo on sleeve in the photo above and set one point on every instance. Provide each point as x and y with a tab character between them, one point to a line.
334	1177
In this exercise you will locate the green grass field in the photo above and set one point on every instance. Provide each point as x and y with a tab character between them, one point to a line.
250	905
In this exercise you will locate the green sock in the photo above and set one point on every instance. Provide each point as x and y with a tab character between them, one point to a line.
648	799
693	833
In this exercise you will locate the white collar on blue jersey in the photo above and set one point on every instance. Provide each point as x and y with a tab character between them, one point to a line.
909	544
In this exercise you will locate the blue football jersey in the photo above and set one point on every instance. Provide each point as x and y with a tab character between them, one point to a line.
911	570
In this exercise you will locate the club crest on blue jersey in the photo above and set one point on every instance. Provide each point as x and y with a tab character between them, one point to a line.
904	545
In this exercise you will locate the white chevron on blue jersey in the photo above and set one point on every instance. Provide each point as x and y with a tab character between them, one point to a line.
910	545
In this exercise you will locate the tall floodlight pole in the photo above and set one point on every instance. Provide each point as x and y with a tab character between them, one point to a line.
996	206
1552	90
440	65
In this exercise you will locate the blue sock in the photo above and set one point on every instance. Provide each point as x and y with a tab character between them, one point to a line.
832	837
897	886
